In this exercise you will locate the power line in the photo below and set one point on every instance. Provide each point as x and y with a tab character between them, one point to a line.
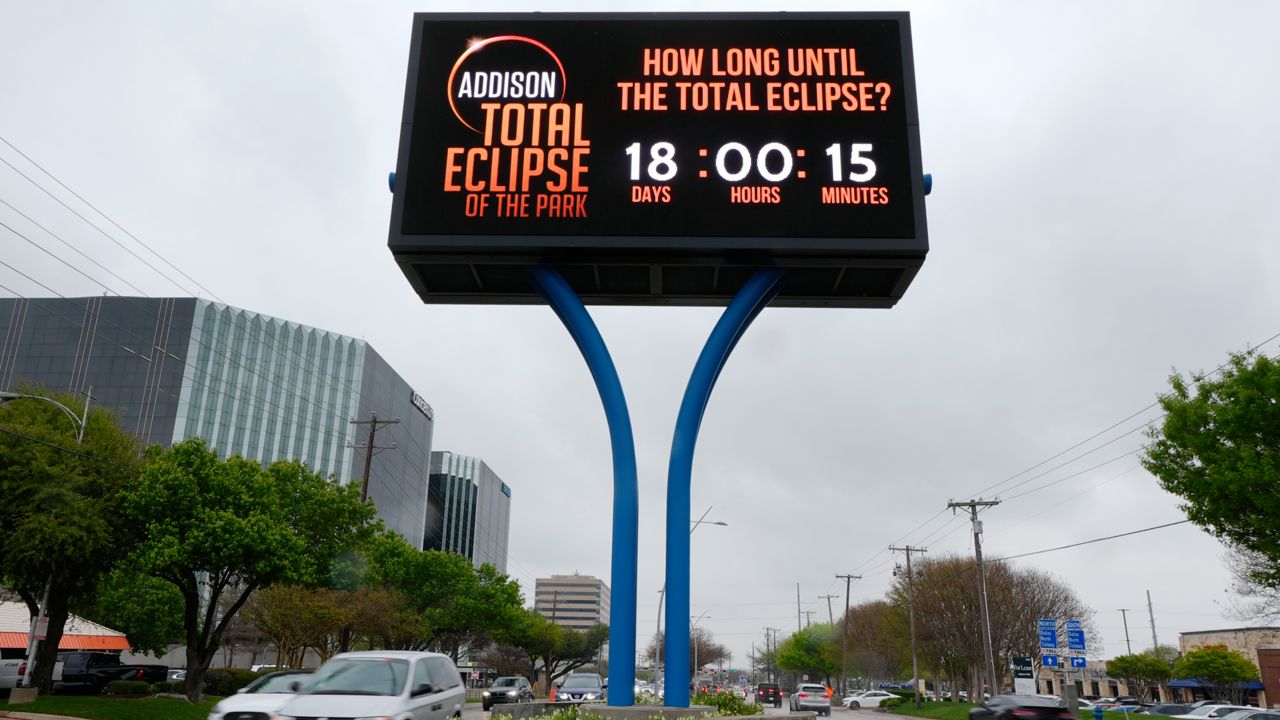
55	236
64	186
60	448
108	236
1088	542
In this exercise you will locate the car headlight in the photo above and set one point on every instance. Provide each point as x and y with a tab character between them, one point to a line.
511	693
485	693
590	696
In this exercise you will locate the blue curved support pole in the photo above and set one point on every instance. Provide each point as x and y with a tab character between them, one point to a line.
746	305
626	503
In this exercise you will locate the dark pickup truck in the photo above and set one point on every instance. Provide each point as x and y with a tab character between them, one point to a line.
92	671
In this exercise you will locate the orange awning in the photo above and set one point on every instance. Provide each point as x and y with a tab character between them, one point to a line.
69	642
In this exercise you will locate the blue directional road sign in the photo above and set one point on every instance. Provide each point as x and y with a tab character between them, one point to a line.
1048	633
1075	635
1077	661
1049	660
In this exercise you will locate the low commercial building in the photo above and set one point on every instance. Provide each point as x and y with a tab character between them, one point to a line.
78	634
1260	644
572	601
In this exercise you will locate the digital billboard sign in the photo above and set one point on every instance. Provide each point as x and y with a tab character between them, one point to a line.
660	158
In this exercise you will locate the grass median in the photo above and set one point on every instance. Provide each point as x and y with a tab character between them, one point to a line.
100	708
934	710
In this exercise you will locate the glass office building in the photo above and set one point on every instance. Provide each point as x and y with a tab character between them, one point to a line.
250	384
468	510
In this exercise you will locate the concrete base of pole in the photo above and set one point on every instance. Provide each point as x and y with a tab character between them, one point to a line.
21	695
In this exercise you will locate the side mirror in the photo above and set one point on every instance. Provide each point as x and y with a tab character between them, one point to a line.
295	686
242	690
423	689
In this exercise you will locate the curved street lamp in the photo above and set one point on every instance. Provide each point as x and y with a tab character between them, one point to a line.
662	594
79	423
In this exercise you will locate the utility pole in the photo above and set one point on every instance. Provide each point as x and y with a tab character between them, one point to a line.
1152	614
911	615
972	506
1125	617
799	627
830	617
808	617
771	647
369	447
844	636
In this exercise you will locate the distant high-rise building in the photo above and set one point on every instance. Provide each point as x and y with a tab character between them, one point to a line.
249	384
572	601
468	510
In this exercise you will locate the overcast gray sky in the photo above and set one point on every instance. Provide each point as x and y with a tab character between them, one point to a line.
1103	212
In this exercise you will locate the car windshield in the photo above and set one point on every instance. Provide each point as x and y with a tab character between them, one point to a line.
276	683
360	676
581	682
1205	710
506	682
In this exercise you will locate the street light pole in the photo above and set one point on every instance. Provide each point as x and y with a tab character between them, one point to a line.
662	596
692	628
42	612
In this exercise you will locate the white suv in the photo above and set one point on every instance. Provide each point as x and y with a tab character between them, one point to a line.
390	684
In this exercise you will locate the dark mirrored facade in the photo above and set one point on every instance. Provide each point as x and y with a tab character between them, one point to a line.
468	509
250	384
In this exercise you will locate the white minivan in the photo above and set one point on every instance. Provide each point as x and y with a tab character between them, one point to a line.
398	685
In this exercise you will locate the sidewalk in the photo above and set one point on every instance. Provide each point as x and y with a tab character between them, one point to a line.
19	715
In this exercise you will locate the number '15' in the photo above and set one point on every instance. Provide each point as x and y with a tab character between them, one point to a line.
862	168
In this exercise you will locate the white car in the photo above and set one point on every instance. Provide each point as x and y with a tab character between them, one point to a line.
1212	712
262	697
868	699
398	685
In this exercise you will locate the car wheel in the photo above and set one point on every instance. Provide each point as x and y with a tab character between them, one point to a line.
854	705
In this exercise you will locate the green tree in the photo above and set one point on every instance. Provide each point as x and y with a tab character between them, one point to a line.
814	651
1219	450
1223	671
559	650
229	527
146	609
62	526
1139	672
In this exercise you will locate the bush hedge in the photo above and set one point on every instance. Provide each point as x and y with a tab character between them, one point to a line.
128	688
164	686
892	702
730	703
227	681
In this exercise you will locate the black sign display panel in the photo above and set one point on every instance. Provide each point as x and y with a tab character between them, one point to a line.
657	158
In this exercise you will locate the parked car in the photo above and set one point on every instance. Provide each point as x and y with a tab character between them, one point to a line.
868	699
260	698
91	671
380	683
1211	712
177	675
582	687
1166	709
511	689
810	696
1022	707
12	670
1253	714
769	694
